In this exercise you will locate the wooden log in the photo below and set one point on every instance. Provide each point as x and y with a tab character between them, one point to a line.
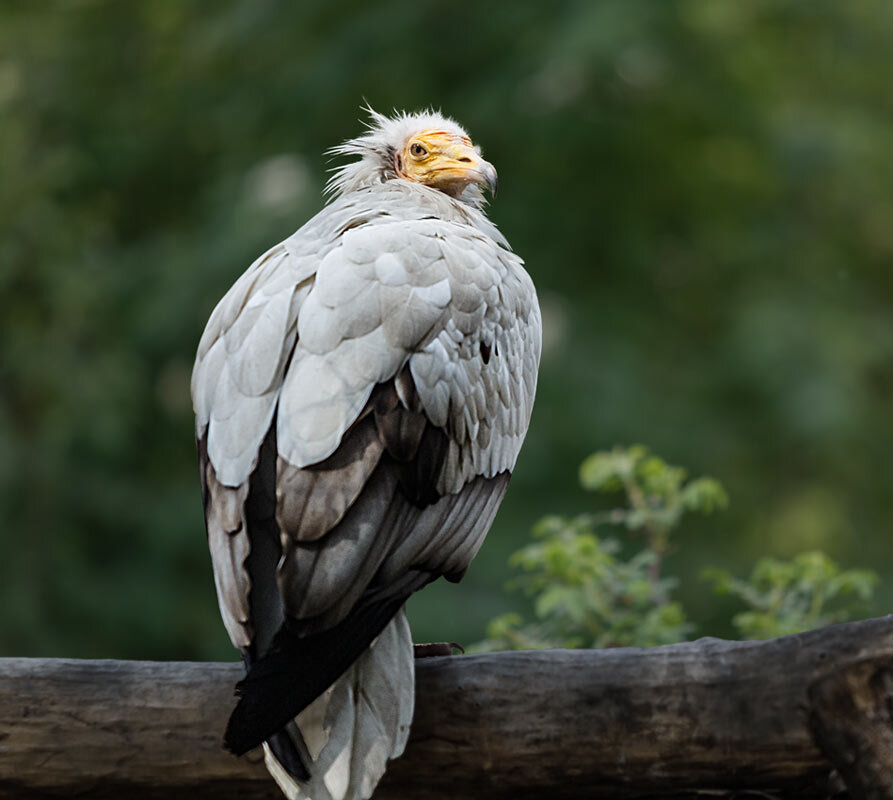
851	715
706	717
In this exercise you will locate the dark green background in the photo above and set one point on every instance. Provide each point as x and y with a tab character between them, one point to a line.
702	190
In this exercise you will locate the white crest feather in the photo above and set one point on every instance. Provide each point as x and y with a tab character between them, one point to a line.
375	150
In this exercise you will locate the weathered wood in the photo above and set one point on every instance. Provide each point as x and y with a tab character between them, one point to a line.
702	717
852	719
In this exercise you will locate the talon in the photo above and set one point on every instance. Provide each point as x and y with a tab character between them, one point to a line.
433	649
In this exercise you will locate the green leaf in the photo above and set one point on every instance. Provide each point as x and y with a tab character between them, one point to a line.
785	597
705	495
602	472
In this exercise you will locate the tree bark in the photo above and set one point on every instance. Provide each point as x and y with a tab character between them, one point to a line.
705	718
851	715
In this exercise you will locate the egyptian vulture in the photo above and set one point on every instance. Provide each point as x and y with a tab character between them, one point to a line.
361	394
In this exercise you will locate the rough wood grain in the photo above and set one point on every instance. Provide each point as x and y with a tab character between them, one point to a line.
704	718
852	719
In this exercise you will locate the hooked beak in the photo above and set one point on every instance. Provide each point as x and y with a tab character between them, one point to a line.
471	168
488	176
447	162
466	166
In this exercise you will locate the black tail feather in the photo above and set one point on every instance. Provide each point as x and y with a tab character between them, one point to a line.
299	669
287	755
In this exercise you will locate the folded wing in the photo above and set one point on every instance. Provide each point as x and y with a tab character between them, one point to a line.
360	403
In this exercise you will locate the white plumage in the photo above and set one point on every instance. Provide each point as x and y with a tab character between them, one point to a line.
358	724
361	395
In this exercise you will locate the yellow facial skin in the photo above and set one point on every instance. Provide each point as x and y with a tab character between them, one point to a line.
445	161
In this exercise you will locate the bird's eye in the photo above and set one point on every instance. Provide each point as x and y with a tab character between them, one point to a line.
417	150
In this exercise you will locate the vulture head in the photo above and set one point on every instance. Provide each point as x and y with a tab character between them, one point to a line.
426	148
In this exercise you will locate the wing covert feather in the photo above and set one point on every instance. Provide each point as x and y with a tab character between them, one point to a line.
228	542
391	360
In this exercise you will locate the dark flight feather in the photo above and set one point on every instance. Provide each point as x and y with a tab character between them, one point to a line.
298	669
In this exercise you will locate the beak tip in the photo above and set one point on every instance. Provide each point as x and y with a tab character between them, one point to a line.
492	179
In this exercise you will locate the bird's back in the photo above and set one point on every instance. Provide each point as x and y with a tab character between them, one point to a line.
361	396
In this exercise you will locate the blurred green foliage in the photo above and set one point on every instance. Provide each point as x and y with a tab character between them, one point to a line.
785	597
657	493
700	188
586	596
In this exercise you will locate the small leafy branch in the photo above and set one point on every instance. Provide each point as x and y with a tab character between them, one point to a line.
586	595
656	492
784	597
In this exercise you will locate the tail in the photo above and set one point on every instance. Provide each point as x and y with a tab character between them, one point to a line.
348	734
